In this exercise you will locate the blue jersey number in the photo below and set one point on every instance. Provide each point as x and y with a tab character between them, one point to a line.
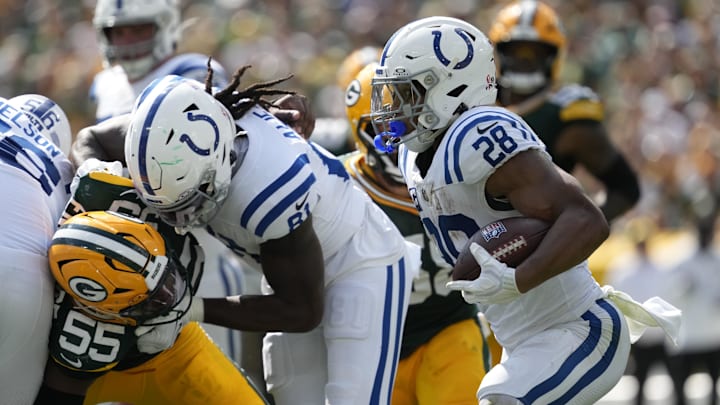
447	225
25	155
497	145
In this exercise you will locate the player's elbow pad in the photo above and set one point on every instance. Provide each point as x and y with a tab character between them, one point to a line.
622	179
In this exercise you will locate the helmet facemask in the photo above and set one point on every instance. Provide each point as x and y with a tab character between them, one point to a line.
161	299
357	108
525	66
196	207
400	114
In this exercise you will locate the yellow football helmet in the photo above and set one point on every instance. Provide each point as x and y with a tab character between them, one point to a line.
530	43
357	108
115	267
353	63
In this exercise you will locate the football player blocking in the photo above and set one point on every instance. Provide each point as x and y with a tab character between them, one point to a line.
320	256
138	40
468	163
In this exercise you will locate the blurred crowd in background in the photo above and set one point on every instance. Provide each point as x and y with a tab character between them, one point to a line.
655	64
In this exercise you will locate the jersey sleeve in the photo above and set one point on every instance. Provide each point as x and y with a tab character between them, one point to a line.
282	204
578	103
279	193
482	141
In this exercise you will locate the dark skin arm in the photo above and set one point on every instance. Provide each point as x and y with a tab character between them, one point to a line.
590	146
537	188
56	379
296	111
294	267
104	141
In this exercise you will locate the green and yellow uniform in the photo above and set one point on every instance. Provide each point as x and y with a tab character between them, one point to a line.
193	371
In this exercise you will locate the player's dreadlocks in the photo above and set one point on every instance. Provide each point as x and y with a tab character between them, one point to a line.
239	102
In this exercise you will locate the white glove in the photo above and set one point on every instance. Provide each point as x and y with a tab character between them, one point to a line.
94	165
157	336
495	285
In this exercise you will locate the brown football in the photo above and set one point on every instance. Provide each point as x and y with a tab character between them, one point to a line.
510	240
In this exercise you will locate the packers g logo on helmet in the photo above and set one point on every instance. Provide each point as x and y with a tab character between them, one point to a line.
115	267
88	289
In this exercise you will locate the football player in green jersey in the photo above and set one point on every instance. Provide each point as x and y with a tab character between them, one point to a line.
443	356
114	272
530	47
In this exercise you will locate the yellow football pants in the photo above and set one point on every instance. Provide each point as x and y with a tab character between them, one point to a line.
193	371
446	370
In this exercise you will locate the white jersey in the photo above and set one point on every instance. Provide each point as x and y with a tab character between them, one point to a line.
114	94
282	179
453	205
36	177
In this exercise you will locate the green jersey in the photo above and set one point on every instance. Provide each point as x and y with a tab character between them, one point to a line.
570	104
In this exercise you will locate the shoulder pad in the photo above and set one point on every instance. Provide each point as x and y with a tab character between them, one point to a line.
578	103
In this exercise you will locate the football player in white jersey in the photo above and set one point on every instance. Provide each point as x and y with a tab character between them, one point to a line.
138	40
35	175
466	164
337	272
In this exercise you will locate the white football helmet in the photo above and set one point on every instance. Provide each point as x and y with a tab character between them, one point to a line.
177	150
139	58
47	118
431	71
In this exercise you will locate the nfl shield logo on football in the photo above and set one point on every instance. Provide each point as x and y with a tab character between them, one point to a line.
493	230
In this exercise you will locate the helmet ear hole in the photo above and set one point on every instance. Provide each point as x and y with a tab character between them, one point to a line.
457	90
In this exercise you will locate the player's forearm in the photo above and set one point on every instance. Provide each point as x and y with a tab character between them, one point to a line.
575	234
260	313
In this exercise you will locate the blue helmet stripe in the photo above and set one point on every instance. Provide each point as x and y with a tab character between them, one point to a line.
169	84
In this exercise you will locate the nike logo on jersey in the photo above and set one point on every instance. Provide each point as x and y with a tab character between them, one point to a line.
75	363
483	130
301	204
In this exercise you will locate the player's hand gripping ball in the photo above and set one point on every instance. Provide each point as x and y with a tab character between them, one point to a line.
509	240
